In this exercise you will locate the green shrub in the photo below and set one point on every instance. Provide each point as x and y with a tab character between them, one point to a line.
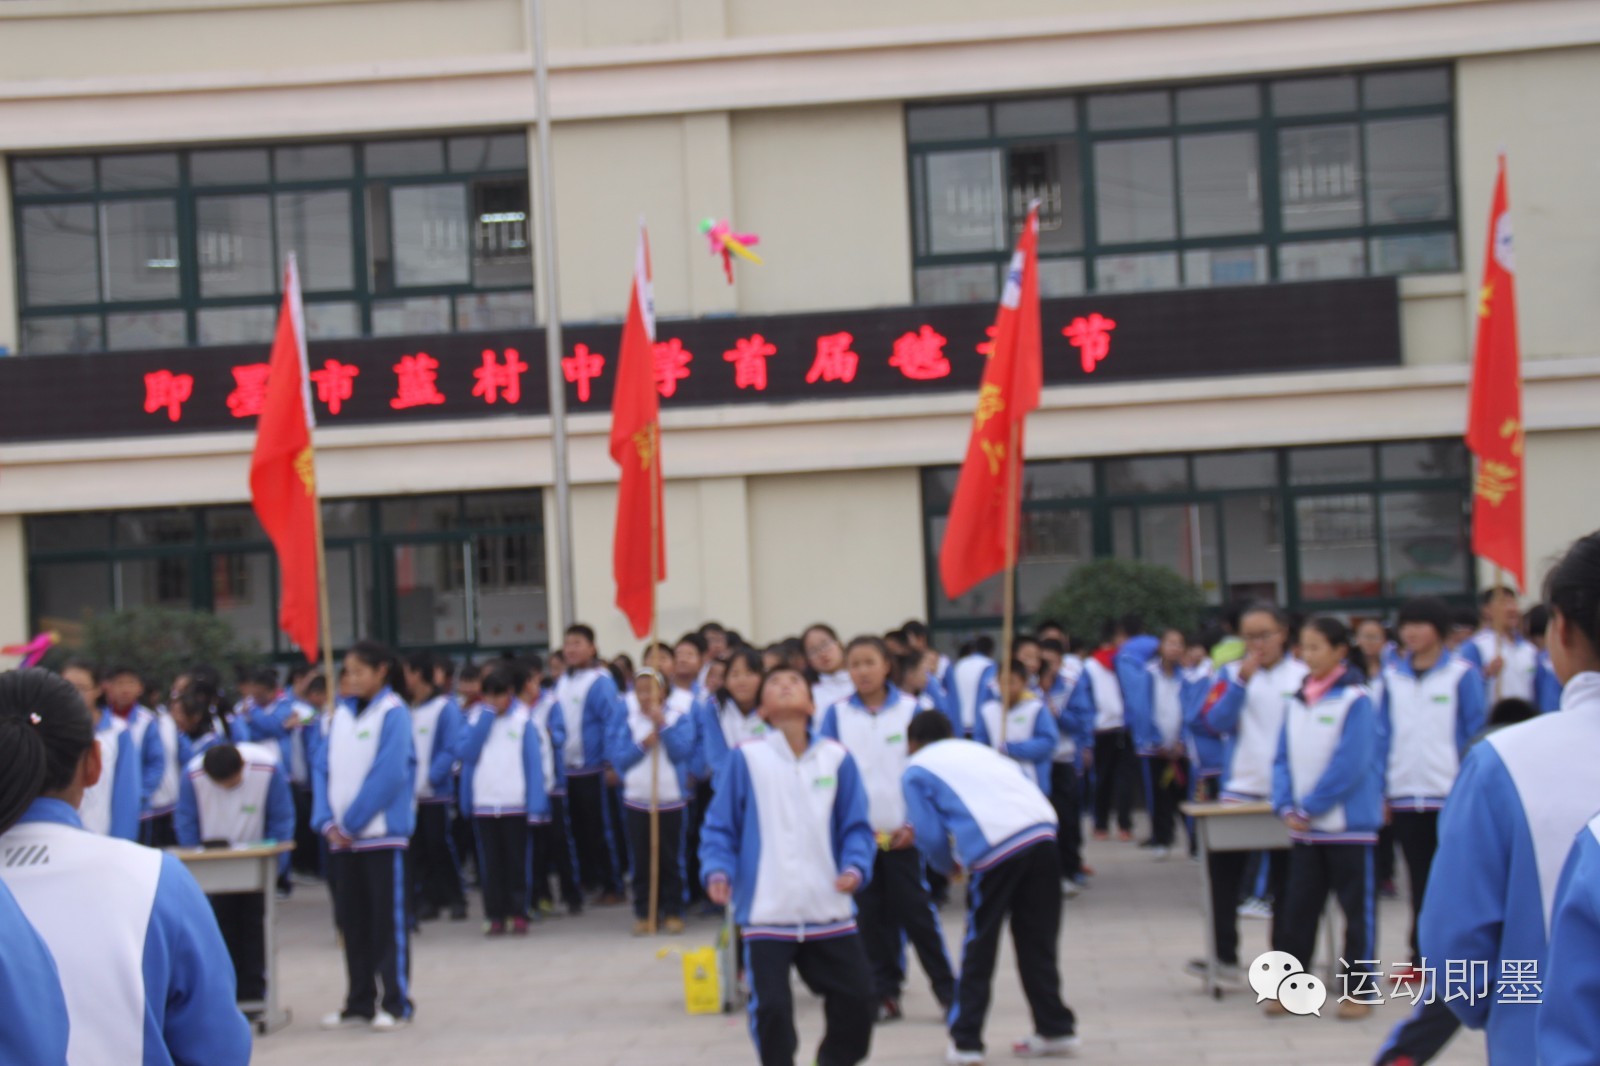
162	643
1101	592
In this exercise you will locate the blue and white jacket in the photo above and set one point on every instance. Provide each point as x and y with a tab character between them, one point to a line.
719	730
677	745
1523	794
260	808
144	971
965	688
503	765
1248	719
1568	1026
589	701
146	739
547	716
1074	734
165	798
935	697
436	727
1327	769
782	828
1111	678
189	747
30	989
111	806
1425	724
1206	748
1546	686
275	723
364	777
967	791
1519	674
1027	733
878	742
1155	708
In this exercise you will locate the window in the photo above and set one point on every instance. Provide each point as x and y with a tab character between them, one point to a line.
1232	183
167	249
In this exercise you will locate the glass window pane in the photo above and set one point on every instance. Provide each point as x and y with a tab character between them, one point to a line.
1122	535
233	243
1252	533
1136	273
68	532
140	252
346	518
1314	96
430	235
1183	538
494	310
241	595
151	170
229	166
1225	266
1166	473
236	325
1029	118
1423	459
1419	253
1134	196
1127	111
1221	183
1406	88
965	210
1338	547
405	157
420	514
509	588
128	331
161	582
350	593
1308	260
1053	545
67	595
59	255
501	151
499	509
419	314
430	595
143	529
231	525
1062	277
1218	103
57	174
1236	470
1408	170
1319	177
1424	543
315	162
1050	174
953	122
939	486
502	236
1328	466
968	283
61	334
316	227
984	600
1073	479
328	321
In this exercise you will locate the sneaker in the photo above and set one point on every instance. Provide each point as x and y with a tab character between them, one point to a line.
1160	852
1353	1011
1101	834
547	908
641	928
519	926
673	926
385	1022
954	1056
1069	888
1125	836
458	912
1147	844
1195	968
1273	1009
494	928
1084	872
611	899
1255	907
345	1020
1035	1046
889	1010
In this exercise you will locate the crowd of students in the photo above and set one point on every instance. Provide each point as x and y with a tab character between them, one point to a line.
825	791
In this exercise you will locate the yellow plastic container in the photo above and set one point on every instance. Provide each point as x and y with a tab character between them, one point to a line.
702	984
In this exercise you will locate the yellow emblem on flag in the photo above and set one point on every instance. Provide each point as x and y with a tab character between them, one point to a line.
306	466
644	442
1484	295
1512	431
1495	482
995	452
990	403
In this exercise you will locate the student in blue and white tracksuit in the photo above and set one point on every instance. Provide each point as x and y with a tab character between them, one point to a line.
1244	710
722	727
502	784
238	794
1004	831
143	970
158	830
787	842
1058	676
1021	728
655	740
824	651
1155	722
123	690
436	727
364	783
895	904
1109	675
1507	661
30	987
1432	708
589	700
110	806
1522	796
966	683
1568	1025
550	835
1327	786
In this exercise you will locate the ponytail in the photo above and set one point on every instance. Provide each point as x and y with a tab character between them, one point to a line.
1573	588
44	731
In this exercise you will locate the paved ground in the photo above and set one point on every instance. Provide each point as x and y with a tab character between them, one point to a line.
582	991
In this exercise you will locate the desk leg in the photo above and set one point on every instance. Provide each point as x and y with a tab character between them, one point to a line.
1212	986
273	1019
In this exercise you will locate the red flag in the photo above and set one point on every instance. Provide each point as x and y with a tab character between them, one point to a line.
636	447
1494	420
283	473
975	537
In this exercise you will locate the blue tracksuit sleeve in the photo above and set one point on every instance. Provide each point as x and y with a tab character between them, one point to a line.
1469	651
538	800
153	763
723	830
556	726
980	728
1138	701
1470	709
621	750
393	771
1463	912
1351	762
473	737
321	811
1568	1024
1222	714
1382	732
186	819
1040	747
184	956
600	707
829	726
1282	779
855	846
125	795
678	740
30	987
1546	686
932	839
270	722
280	808
1080	705
446	738
711	747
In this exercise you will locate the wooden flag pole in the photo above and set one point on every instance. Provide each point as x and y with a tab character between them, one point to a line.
324	602
1008	619
655	749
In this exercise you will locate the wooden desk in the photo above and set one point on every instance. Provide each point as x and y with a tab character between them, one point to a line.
250	868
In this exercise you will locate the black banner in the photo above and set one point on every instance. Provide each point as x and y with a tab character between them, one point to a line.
712	361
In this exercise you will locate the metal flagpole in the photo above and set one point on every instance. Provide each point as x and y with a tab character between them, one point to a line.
546	279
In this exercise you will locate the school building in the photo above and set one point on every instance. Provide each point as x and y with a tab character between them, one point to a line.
1263	228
